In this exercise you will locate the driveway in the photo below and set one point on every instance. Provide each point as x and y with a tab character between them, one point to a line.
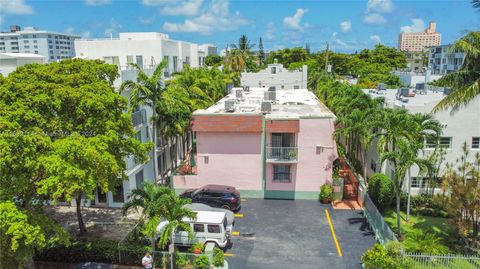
296	234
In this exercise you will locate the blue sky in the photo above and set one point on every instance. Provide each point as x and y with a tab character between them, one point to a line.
347	25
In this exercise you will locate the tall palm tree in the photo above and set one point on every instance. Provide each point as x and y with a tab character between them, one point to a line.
147	91
393	139
476	4
243	44
147	202
466	81
236	60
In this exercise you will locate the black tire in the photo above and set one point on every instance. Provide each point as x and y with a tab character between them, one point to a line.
216	245
226	207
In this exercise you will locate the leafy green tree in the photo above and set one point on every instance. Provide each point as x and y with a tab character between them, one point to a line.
213	60
466	81
147	91
236	60
288	56
381	190
463	204
44	110
18	236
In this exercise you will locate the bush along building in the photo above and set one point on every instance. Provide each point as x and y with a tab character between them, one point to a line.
266	142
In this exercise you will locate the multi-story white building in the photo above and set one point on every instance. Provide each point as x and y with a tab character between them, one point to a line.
54	46
442	61
147	49
277	76
458	127
416	42
10	61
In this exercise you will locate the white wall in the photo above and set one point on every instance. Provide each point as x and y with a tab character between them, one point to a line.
282	78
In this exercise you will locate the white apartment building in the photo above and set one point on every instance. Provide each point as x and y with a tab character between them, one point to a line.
54	46
147	49
276	75
458	127
10	61
416	42
442	61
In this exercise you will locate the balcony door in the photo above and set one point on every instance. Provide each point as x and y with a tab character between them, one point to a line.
283	140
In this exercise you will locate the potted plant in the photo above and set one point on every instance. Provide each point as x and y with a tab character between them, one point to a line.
197	248
326	193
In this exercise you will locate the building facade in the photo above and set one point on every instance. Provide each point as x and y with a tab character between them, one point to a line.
417	42
458	127
278	76
10	61
443	61
266	143
54	46
147	49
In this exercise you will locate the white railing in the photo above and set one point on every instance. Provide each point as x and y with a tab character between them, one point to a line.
282	154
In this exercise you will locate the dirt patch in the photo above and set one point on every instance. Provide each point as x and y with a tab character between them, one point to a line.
101	223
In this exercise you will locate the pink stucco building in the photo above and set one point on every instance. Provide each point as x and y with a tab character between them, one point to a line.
266	143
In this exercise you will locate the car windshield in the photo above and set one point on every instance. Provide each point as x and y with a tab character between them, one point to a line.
196	192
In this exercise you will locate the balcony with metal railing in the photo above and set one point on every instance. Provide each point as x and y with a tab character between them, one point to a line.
282	154
139	117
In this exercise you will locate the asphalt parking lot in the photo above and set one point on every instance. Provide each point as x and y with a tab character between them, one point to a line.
296	234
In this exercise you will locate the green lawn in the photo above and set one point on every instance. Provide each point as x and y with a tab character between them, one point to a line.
419	227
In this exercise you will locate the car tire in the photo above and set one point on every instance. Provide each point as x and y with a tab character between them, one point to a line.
226	207
216	245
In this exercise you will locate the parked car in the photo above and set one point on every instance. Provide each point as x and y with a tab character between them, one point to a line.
226	197
203	207
92	265
208	226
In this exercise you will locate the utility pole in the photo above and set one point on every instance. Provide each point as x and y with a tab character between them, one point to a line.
326	59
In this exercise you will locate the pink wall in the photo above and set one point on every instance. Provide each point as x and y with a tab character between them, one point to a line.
233	159
313	169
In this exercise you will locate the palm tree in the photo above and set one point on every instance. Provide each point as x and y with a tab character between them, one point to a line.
243	45
476	4
175	213
466	81
147	202
236	60
147	91
392	143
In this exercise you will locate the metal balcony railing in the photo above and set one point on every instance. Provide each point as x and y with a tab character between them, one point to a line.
139	117
282	154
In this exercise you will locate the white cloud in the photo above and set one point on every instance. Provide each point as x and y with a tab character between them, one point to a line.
376	10
15	7
417	26
380	6
176	7
269	31
97	2
146	20
187	8
374	18
85	34
346	26
214	17
112	28
294	21
376	39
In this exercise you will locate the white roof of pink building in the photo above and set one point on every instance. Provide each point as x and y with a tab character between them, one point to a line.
291	103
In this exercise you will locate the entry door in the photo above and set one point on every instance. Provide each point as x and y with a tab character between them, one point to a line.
100	198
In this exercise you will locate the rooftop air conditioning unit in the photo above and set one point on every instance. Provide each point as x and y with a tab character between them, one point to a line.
230	105
246	88
269	96
266	107
239	94
381	87
272	89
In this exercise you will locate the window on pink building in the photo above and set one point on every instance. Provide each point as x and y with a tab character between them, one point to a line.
281	173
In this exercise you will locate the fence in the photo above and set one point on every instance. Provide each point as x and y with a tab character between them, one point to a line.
382	231
423	261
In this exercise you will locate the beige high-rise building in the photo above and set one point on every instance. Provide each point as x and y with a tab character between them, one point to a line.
417	42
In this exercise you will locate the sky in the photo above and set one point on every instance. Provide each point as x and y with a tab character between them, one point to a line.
347	25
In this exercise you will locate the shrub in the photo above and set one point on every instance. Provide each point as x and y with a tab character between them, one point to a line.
91	250
326	192
427	243
181	259
379	258
218	257
202	262
381	190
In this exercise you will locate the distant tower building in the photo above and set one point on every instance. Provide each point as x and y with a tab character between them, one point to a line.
417	42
